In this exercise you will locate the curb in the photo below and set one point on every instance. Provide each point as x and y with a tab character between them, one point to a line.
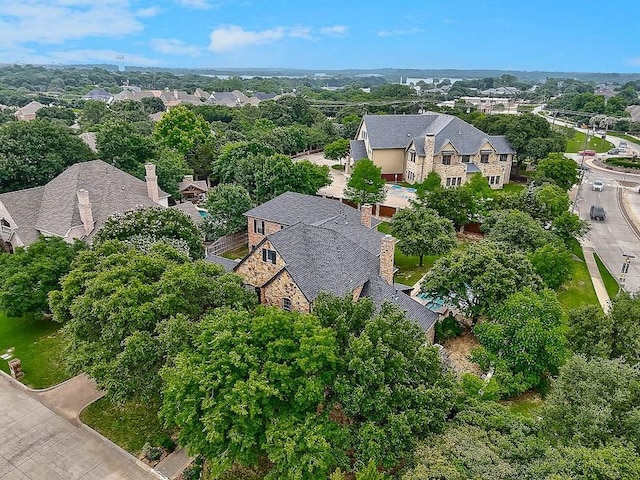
33	390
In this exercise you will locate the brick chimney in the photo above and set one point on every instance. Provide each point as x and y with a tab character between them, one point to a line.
387	247
152	182
84	206
365	215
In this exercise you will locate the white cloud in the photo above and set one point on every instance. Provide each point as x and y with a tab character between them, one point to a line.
173	46
80	56
300	32
335	30
635	61
148	12
199	4
230	37
56	21
398	33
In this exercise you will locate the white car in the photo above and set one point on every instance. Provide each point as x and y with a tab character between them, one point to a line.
597	186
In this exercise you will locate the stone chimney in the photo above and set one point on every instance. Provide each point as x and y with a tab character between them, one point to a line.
152	182
387	247
84	206
187	178
365	215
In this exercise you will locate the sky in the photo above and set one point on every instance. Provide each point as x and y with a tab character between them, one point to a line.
560	35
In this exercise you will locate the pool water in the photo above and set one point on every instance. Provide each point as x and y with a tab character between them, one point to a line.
433	303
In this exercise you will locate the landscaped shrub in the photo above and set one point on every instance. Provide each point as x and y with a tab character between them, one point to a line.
166	442
151	453
447	328
623	162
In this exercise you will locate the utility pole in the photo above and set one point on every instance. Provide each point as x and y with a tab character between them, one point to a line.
625	269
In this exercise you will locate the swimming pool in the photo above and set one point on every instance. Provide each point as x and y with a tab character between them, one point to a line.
434	304
406	189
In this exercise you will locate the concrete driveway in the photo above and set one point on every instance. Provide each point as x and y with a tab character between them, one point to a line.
37	444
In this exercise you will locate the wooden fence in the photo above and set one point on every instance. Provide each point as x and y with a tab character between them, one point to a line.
228	243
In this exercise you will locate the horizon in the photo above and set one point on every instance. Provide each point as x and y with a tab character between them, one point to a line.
562	37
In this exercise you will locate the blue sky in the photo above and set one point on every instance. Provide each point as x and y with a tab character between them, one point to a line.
561	35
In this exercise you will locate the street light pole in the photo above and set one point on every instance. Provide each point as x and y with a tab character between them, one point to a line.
625	269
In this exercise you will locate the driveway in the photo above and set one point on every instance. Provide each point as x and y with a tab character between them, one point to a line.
37	444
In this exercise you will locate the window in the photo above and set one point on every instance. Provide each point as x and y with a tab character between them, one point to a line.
268	255
453	181
286	304
446	159
410	176
258	226
494	180
504	157
466	158
412	156
484	158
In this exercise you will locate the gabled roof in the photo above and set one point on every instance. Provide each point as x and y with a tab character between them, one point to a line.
90	139
380	292
322	260
398	131
98	94
23	206
110	191
199	184
227	263
30	108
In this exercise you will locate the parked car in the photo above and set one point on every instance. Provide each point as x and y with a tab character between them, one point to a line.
622	147
613	151
597	186
596	212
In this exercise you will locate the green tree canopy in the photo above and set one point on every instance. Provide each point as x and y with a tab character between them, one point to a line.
558	169
522	340
126	312
478	277
517	229
457	204
226	204
337	150
124	148
63	114
254	386
33	153
366	184
144	227
181	129
421	231
594	403
29	275
553	263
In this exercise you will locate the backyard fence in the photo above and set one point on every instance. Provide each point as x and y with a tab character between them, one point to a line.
228	243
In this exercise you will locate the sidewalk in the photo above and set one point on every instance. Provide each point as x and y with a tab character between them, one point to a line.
596	279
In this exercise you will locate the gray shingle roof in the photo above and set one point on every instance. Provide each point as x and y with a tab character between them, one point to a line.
23	205
357	149
110	191
380	292
98	94
473	168
397	131
322	260
191	210
227	263
351	227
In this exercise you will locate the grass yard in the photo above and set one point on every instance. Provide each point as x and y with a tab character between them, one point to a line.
409	271
130	425
38	344
527	404
579	290
576	144
237	253
610	283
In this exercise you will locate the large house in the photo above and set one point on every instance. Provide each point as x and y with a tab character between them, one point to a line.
408	147
75	204
301	245
28	112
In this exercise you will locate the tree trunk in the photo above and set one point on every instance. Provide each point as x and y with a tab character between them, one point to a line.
421	256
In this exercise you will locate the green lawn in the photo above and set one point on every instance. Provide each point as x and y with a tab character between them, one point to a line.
610	283
38	344
579	290
237	253
130	425
409	271
527	404
576	144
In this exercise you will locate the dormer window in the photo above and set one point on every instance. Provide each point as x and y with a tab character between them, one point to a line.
504	157
269	255
484	158
466	158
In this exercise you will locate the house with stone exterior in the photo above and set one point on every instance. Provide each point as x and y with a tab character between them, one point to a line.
408	147
75	204
301	246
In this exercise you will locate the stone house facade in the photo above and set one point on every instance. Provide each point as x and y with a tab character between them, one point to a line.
409	147
309	245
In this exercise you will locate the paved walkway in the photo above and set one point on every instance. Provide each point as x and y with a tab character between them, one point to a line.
596	279
71	397
37	444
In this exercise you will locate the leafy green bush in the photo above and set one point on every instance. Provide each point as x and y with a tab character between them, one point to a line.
150	452
166	442
448	328
623	162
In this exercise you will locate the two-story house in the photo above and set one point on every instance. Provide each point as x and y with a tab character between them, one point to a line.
408	147
301	245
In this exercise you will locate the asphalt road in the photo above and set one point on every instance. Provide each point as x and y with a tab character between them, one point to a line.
613	237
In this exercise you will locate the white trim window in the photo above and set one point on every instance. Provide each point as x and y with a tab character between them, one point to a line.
269	255
453	182
286	304
258	226
493	179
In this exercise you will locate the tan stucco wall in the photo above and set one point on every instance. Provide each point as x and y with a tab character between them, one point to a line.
391	160
257	272
284	287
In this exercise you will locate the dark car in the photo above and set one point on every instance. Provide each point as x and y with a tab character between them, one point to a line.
596	212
